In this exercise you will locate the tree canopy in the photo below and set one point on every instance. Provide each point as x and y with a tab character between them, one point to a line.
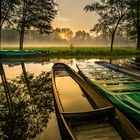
36	14
82	35
63	33
117	14
28	14
132	25
8	11
111	13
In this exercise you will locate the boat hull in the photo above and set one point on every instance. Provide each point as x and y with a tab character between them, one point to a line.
75	124
22	53
122	90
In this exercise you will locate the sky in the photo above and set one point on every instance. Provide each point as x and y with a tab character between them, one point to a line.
71	15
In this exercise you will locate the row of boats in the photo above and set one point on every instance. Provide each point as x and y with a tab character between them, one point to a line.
98	102
22	55
94	103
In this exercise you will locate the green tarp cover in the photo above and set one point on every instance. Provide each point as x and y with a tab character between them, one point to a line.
20	52
125	93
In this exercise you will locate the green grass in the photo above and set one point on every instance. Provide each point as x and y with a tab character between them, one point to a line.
88	51
92	51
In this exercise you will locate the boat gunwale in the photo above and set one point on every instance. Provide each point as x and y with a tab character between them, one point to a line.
99	88
118	68
105	103
118	116
95	82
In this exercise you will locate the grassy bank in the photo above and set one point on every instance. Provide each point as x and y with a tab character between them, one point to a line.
87	51
93	51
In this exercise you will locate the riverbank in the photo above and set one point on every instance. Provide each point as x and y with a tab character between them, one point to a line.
86	51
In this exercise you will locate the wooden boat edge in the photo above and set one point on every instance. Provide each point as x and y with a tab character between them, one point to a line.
130	128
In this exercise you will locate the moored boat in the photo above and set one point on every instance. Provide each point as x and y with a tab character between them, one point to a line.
22	53
82	113
121	89
128	70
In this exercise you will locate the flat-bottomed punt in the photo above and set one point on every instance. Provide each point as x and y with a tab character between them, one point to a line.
82	113
121	89
129	71
22	53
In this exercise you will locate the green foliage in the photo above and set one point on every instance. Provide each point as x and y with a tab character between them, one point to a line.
110	12
8	12
31	103
62	33
28	14
81	36
37	14
120	15
132	25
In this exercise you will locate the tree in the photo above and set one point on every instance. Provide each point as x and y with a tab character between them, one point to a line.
138	23
63	33
9	35
55	34
25	109
82	35
132	24
7	14
66	33
101	39
8	10
37	14
111	13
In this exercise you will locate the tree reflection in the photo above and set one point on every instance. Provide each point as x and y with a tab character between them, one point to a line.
28	110
137	61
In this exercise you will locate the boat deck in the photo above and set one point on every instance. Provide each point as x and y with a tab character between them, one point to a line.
129	71
121	89
82	116
96	131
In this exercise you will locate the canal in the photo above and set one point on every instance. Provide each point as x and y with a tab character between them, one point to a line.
26	101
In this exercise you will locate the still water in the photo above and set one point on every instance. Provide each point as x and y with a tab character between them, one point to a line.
26	102
73	90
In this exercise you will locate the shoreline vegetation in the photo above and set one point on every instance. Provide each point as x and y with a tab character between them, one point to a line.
85	51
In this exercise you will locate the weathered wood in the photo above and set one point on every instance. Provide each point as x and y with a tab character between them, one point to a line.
129	71
99	130
102	122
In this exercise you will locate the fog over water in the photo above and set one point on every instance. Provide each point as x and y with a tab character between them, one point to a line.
40	44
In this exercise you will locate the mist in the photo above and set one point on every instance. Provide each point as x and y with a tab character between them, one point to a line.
61	37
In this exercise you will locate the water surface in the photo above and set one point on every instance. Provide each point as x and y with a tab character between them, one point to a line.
26	102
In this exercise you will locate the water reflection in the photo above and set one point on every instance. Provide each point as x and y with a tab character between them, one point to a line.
69	95
25	104
26	107
137	61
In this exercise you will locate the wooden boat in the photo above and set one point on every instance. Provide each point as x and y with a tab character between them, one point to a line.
121	89
129	71
18	60
22	53
82	113
135	66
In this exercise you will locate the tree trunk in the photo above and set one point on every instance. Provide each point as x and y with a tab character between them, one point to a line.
138	25
113	36
22	31
4	18
0	28
21	37
0	36
26	78
6	88
112	42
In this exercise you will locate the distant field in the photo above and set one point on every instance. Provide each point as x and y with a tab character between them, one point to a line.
80	51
